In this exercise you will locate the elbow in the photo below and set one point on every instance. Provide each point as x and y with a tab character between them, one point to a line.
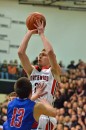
20	52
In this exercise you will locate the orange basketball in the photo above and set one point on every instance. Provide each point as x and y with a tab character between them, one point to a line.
31	20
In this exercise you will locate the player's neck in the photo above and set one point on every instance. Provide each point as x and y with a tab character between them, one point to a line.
46	66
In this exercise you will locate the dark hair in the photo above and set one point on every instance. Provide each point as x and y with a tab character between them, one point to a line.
23	87
55	129
67	127
80	126
43	50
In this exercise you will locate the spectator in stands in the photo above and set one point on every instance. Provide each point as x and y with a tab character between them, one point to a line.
73	103
4	70
71	65
35	62
13	70
66	127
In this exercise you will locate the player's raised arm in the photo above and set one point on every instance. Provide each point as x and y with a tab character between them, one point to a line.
56	70
22	52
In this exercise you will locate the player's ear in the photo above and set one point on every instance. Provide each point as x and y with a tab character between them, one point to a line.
30	95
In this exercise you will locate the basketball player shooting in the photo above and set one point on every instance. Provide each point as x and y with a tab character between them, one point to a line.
48	70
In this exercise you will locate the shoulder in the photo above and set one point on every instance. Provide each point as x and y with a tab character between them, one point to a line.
11	102
5	125
31	102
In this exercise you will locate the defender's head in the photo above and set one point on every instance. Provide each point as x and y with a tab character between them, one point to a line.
23	87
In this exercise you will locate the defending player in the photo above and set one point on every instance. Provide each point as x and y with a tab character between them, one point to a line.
22	112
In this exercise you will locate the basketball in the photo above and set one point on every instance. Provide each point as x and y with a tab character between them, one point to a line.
31	20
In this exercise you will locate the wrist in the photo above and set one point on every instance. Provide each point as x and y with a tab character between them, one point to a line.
41	35
29	32
36	95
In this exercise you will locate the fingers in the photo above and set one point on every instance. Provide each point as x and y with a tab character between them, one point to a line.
35	25
42	85
39	24
43	94
40	89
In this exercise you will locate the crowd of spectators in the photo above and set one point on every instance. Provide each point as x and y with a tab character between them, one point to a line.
11	70
70	96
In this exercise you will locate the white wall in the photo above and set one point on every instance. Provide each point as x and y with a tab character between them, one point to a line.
65	29
2	97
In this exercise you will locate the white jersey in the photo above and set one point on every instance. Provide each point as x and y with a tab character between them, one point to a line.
45	75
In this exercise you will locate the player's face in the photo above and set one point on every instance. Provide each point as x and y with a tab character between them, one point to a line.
43	59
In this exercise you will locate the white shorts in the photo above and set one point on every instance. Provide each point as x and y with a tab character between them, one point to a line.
45	121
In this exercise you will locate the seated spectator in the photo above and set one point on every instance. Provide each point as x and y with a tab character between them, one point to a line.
67	121
74	120
35	62
12	70
59	126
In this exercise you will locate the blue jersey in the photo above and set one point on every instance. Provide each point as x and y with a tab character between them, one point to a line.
5	125
20	114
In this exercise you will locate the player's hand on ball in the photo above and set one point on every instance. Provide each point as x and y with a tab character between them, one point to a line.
40	26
